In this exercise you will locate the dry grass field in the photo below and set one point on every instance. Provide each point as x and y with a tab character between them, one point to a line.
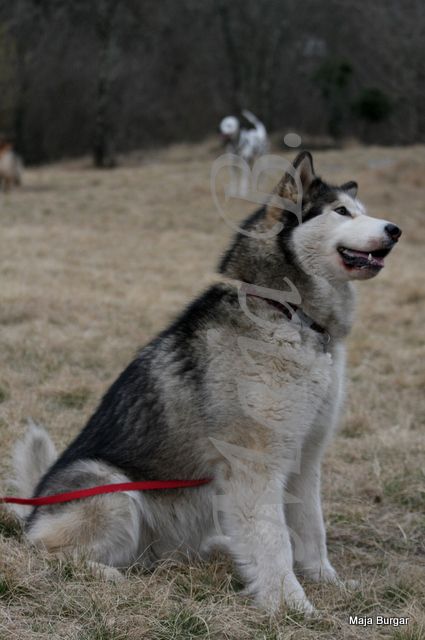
92	265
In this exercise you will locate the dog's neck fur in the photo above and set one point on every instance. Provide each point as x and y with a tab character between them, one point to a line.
267	262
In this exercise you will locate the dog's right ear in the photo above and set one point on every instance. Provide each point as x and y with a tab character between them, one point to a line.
294	184
303	165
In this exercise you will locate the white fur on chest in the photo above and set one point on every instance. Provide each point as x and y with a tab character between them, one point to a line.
274	383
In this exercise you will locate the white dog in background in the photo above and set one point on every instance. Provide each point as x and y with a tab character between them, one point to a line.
248	144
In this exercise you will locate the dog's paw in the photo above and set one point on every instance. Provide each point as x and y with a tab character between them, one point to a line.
350	585
303	606
215	543
290	595
104	572
323	572
300	605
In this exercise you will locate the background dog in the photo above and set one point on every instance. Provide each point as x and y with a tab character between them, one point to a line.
248	144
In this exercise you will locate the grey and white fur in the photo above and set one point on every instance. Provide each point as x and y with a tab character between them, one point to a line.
247	144
250	400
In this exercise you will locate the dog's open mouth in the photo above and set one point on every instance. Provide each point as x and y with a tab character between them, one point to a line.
353	259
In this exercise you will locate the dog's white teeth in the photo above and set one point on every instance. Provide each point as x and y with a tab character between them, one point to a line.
369	258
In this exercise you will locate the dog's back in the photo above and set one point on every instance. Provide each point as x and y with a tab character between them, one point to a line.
256	138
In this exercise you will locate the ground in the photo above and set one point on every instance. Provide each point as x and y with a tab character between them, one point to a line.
95	263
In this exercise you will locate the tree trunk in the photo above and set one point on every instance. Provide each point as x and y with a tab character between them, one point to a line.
103	156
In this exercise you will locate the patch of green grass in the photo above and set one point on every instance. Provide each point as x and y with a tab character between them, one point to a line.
277	629
100	632
98	627
268	634
13	317
4	587
355	426
236	583
67	570
407	490
202	584
414	633
182	623
9	527
4	394
197	590
357	601
339	518
398	594
75	399
345	518
9	591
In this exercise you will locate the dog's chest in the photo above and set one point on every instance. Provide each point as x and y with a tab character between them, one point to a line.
276	383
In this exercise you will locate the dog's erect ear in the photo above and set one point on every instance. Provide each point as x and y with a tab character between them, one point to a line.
351	188
302	174
303	163
303	168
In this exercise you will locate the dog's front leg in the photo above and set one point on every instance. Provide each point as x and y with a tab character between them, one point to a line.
305	517
258	540
306	520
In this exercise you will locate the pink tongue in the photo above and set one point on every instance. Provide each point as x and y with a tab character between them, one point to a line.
363	254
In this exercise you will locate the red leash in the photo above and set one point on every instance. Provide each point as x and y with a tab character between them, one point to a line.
148	485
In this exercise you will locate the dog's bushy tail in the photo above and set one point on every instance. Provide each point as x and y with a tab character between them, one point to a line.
32	457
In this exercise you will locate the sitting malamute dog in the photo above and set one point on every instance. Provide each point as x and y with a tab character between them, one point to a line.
235	390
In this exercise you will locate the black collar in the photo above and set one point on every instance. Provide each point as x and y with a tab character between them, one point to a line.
305	319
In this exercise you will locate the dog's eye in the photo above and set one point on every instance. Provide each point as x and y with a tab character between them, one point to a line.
343	211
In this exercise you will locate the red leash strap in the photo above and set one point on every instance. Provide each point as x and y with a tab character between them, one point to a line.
148	485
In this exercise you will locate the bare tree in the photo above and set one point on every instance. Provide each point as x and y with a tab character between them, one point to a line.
103	153
104	76
238	101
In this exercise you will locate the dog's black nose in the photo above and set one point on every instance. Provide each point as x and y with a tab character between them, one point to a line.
393	231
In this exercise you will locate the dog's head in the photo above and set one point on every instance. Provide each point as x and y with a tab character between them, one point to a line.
229	127
336	238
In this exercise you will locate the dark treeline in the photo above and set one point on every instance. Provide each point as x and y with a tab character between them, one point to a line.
103	76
